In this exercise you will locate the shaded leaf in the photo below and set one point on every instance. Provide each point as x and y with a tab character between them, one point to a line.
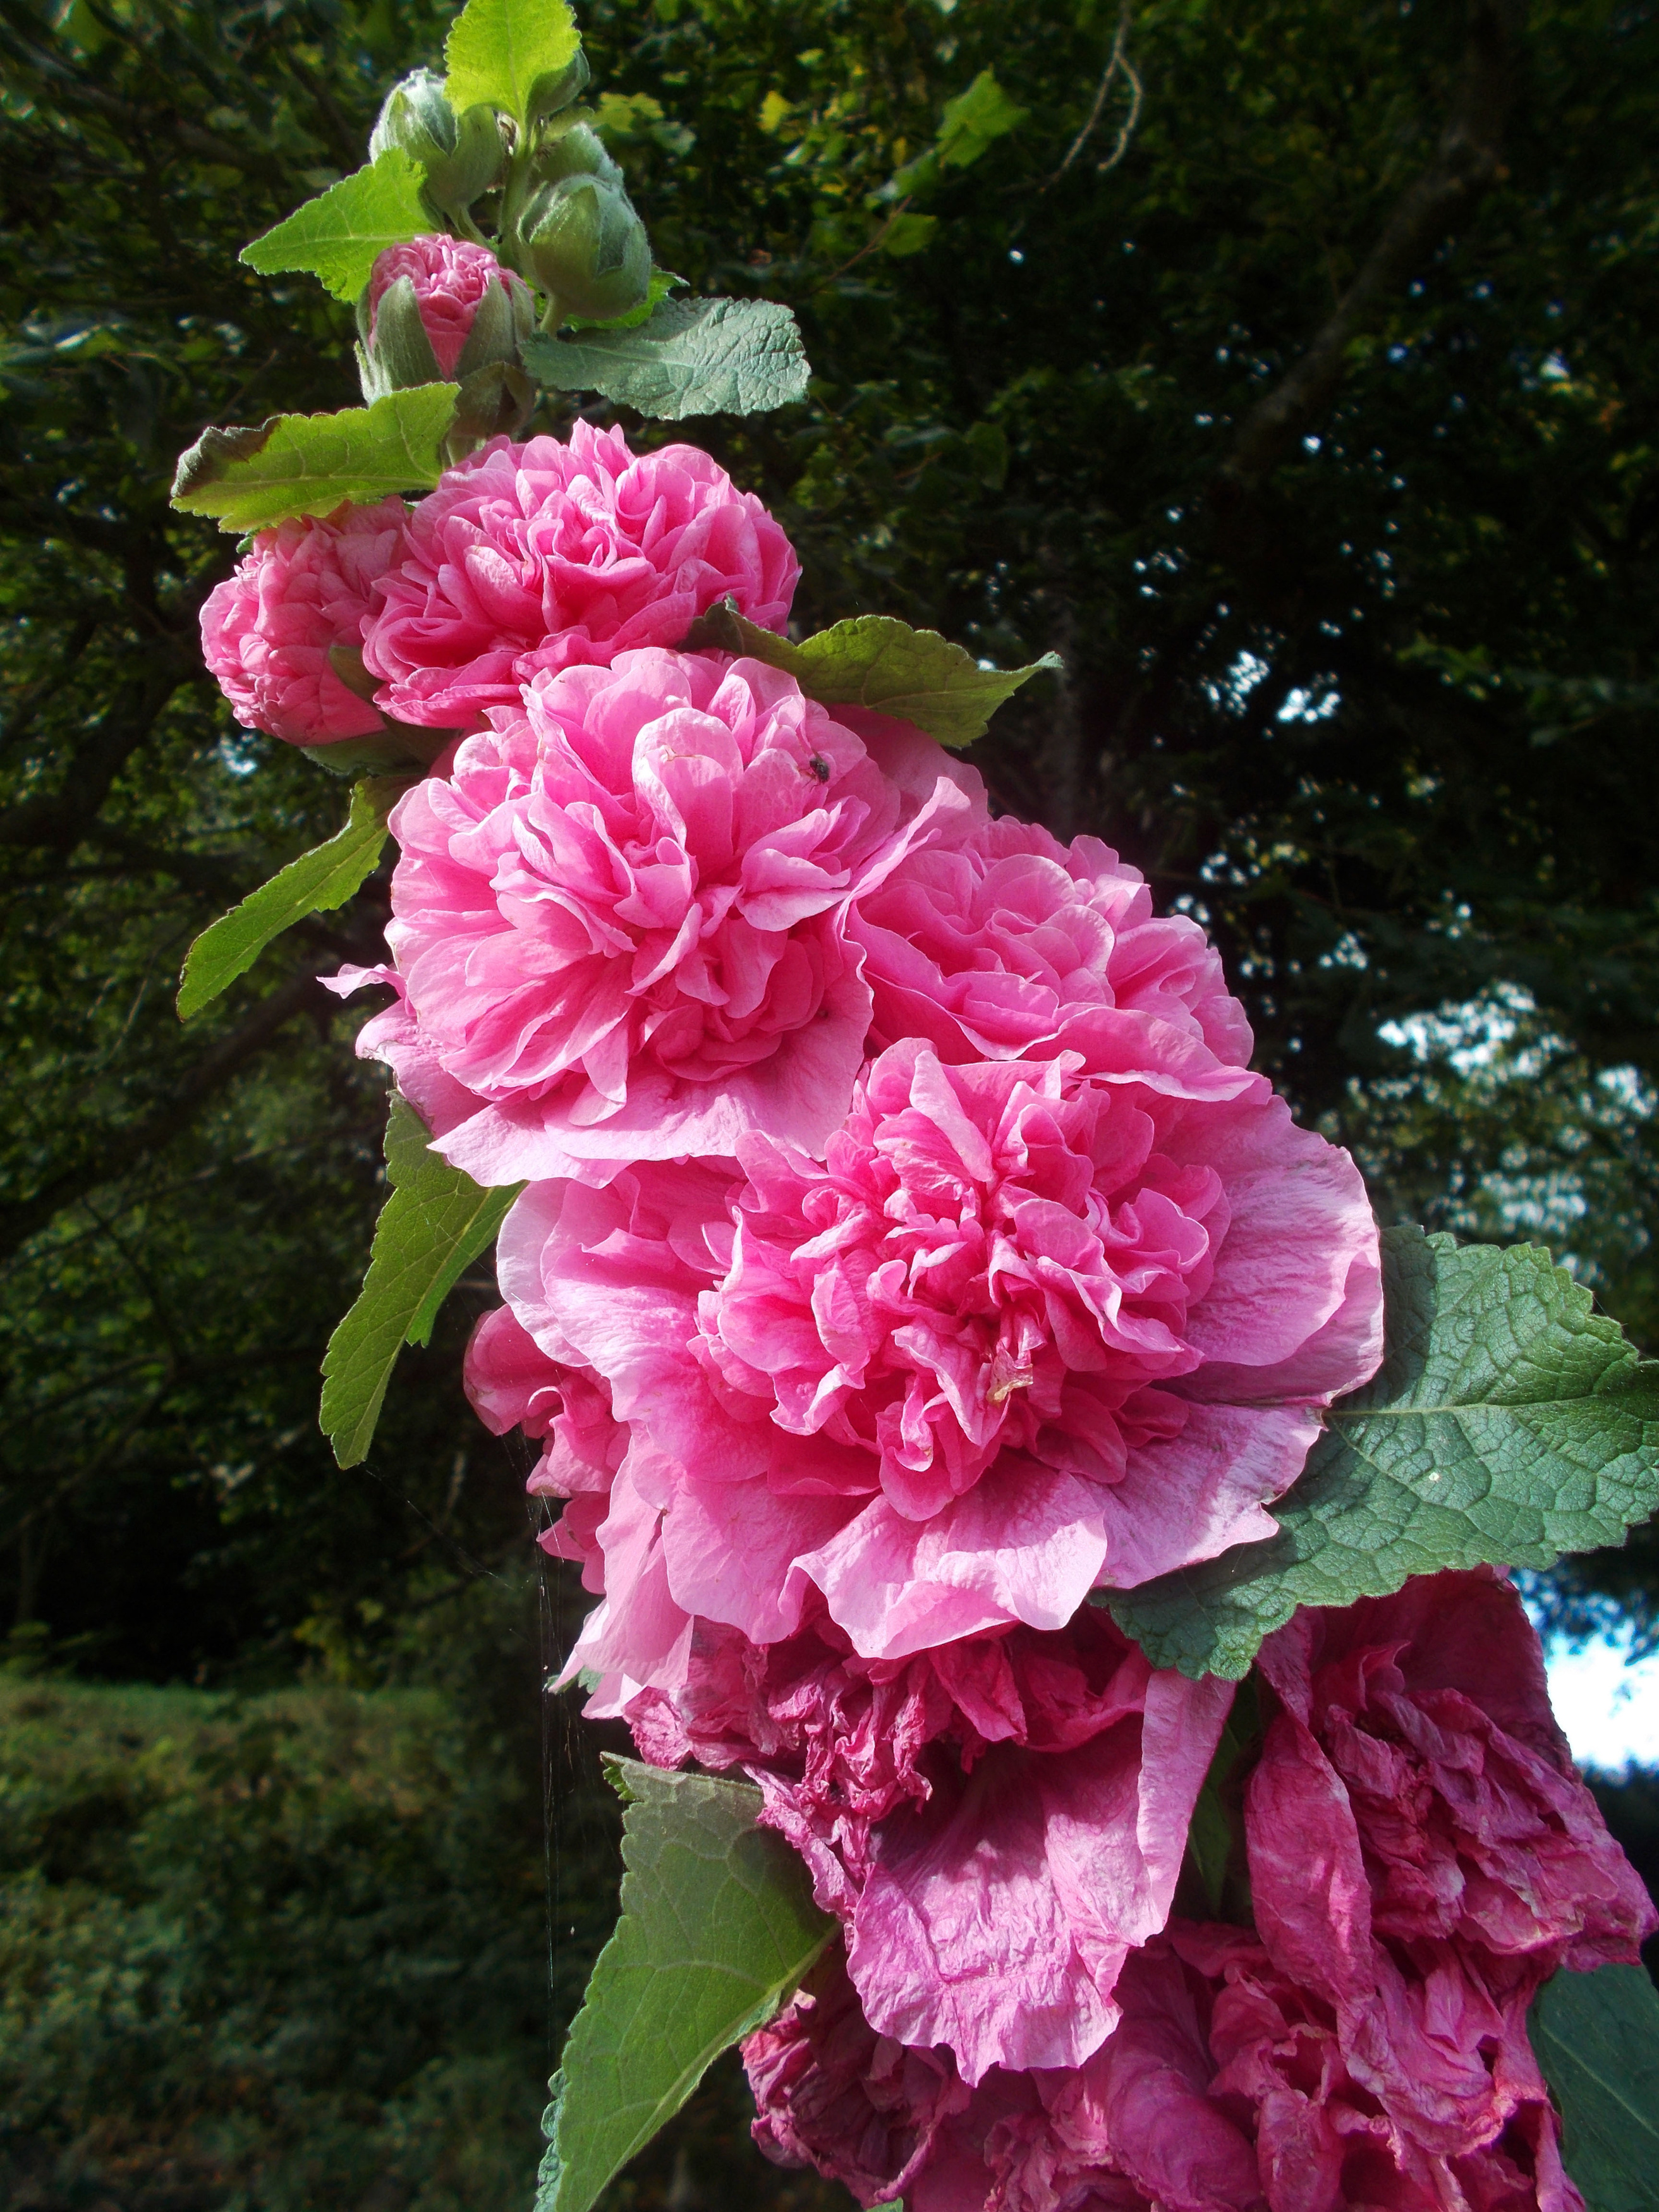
692	357
338	236
718	1926
1596	2036
875	660
312	463
433	1225
323	878
500	50
1508	1423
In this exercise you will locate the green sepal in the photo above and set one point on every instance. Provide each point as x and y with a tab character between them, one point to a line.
317	881
1508	1423
877	661
434	1224
718	1926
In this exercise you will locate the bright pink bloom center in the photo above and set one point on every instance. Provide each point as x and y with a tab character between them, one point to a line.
546	554
991	1258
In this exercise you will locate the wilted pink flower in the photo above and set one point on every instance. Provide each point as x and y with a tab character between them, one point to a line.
1422	1852
302	589
1019	1335
546	555
1223	2088
1002	944
997	1822
617	919
450	276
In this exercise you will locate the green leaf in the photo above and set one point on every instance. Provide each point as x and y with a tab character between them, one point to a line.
974	119
693	357
1597	2039
433	1225
336	237
718	1926
499	50
325	878
875	660
1508	1423
312	463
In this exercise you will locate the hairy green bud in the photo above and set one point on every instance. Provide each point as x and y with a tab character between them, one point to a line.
582	242
462	156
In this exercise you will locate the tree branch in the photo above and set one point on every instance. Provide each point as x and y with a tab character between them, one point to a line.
1466	163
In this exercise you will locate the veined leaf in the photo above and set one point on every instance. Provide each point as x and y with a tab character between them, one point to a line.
433	1225
718	1926
312	463
338	236
499	50
325	878
1597	2039
875	660
692	357
1508	1423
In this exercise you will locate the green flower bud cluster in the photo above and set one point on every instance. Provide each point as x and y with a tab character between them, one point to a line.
570	227
462	156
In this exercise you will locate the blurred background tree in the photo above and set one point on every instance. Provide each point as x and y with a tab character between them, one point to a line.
1292	370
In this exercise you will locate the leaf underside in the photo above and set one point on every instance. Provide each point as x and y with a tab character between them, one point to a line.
718	1926
434	1224
1597	2037
1508	1423
692	357
317	881
877	661
337	237
312	463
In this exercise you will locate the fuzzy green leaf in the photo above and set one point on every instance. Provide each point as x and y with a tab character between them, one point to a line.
1508	1423
875	660
311	463
434	1224
1597	2039
325	878
718	1926
338	236
974	119
692	357
500	50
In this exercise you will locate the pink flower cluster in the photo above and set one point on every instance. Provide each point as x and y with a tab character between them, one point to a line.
1421	1856
544	556
907	1253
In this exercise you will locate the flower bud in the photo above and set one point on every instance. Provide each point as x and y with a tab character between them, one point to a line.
549	94
437	310
581	240
461	156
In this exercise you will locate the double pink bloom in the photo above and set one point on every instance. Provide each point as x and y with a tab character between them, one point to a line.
526	556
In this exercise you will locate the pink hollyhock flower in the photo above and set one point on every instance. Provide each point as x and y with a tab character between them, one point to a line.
1004	944
997	1822
547	556
1224	2088
1019	1335
617	919
450	277
1422	1852
302	590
